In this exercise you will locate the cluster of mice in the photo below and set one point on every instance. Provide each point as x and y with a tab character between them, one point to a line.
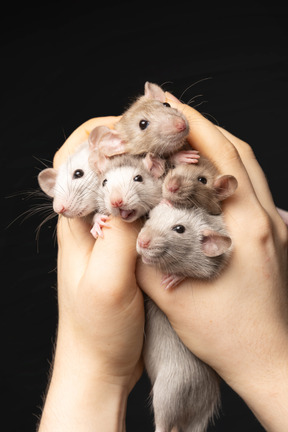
144	167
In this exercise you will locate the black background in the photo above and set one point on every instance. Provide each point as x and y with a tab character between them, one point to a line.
63	64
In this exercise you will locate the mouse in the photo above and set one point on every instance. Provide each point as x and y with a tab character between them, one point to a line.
150	124
185	392
73	186
129	186
198	185
183	243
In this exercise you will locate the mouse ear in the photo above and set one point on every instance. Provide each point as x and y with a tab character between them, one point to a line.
225	186
154	164
47	180
153	91
106	140
214	243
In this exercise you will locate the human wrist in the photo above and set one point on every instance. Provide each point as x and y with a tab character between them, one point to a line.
81	396
263	387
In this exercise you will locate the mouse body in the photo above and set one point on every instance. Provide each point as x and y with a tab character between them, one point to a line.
183	243
198	185
185	391
73	186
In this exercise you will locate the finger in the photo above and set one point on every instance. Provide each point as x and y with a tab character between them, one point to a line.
80	135
75	244
254	170
209	140
117	251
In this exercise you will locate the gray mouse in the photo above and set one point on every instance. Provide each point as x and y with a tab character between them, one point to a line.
129	187
183	243
199	185
73	186
149	125
185	391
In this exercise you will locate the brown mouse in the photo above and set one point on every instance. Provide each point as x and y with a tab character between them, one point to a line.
198	185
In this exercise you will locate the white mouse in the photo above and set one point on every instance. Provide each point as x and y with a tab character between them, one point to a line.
73	186
129	187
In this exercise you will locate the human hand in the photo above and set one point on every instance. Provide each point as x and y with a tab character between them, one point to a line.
101	320
100	303
237	323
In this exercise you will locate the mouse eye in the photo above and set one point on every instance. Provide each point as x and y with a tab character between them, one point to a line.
78	174
180	229
166	104
143	124
104	182
138	178
202	180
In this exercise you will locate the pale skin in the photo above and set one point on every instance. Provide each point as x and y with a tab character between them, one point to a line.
237	323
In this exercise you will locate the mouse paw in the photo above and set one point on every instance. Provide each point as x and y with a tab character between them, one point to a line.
171	280
99	221
185	156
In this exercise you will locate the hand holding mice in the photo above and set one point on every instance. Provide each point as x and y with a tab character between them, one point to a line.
101	320
238	322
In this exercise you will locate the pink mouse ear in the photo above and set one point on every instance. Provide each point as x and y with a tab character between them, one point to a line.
47	180
153	91
106	140
154	164
214	243
225	186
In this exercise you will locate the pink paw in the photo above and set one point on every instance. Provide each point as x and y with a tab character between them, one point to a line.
185	156
171	280
99	221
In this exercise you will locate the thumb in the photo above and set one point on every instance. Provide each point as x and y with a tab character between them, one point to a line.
113	257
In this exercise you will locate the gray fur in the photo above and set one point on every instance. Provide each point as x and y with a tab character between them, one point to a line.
181	254
185	390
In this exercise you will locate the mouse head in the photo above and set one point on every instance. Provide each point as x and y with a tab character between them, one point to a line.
172	237
149	125
199	185
72	186
130	186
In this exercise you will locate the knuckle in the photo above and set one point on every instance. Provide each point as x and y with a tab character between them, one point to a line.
262	229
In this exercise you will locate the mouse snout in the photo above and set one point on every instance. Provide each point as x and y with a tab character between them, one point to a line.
180	124
173	125
143	242
59	208
173	185
116	200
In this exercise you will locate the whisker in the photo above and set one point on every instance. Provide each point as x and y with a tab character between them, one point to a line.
192	85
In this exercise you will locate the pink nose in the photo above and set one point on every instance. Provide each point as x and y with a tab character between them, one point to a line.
62	210
118	202
180	125
59	208
172	185
143	243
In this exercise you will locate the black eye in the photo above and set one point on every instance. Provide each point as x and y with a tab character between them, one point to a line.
166	104
138	178
104	182
78	174
143	124
202	180
180	229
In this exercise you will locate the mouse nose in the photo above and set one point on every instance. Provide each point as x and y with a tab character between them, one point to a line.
180	125
172	185
59	208
116	202
143	242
